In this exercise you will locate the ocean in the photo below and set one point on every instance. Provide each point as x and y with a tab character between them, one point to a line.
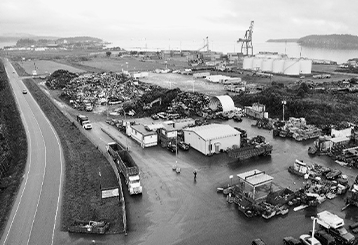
292	50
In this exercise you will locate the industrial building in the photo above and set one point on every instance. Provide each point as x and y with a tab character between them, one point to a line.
212	138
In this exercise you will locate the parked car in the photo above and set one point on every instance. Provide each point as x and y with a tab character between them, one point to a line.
172	147
308	240
24	91
291	241
184	146
334	174
258	241
154	117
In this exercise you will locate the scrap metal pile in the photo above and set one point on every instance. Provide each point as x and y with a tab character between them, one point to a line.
95	88
297	129
322	182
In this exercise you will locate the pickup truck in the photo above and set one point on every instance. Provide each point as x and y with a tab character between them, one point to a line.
127	166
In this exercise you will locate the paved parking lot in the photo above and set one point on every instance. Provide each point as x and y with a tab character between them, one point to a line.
175	209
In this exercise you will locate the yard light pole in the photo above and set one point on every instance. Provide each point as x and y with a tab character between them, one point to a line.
314	220
125	118
127	66
283	109
231	177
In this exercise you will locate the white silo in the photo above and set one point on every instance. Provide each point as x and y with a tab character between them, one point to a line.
291	67
267	65
257	63
305	66
247	64
277	65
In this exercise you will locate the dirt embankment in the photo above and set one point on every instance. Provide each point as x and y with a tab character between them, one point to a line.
13	149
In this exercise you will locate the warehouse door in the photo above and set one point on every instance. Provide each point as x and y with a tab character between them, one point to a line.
217	147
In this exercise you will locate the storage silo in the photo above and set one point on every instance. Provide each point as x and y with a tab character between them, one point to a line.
267	65
247	64
257	63
305	66
291	67
277	65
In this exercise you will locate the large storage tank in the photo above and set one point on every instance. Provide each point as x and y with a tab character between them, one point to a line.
305	66
291	67
267	65
277	65
257	63
247	64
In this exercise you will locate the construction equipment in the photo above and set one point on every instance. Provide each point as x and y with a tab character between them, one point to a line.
247	41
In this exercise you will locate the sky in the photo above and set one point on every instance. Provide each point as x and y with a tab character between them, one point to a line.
183	20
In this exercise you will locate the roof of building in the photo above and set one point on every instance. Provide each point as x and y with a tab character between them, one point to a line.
141	129
255	177
339	139
213	131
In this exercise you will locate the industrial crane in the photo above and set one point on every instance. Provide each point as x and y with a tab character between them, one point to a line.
206	45
247	41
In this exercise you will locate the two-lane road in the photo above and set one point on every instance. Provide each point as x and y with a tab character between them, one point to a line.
34	218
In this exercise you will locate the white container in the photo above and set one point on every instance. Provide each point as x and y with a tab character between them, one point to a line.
305	66
277	66
256	64
247	64
291	67
267	65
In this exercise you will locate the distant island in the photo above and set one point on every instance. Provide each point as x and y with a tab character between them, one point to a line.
333	41
37	43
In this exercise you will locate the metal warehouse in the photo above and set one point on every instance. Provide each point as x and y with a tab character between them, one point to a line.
212	138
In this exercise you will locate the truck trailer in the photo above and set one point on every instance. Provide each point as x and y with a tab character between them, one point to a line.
127	166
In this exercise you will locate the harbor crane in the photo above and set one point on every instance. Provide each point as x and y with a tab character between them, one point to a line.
206	45
247	41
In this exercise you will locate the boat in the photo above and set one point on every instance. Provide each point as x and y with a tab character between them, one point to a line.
299	168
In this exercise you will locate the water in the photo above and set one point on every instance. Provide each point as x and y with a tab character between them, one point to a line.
293	50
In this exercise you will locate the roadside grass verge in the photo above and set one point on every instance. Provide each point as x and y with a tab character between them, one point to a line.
20	71
13	144
83	162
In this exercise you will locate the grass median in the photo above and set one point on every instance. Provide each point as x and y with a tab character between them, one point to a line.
83	161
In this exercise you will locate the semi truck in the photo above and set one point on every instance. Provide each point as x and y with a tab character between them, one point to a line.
125	165
83	120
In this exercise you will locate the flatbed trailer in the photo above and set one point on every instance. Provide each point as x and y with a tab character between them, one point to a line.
247	152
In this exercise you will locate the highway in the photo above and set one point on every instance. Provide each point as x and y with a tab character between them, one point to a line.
34	218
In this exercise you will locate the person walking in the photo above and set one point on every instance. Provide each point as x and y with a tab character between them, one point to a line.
195	172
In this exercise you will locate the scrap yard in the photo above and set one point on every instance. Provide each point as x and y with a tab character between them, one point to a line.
191	158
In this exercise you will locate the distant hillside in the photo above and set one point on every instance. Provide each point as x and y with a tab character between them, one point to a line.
80	39
334	41
288	40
